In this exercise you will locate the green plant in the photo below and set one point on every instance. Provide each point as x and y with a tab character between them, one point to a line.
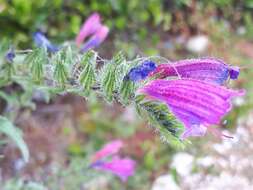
69	71
7	128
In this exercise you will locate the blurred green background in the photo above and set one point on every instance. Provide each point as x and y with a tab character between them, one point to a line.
62	133
61	19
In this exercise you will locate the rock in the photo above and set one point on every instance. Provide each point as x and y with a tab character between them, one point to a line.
206	162
239	101
197	44
97	183
241	30
165	182
129	115
183	163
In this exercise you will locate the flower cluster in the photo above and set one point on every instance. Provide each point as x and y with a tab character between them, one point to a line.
121	167
193	90
197	97
92	28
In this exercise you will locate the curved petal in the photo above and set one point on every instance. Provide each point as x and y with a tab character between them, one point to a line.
108	149
195	103
96	39
206	69
122	167
89	27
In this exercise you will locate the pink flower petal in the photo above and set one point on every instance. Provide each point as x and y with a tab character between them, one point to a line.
195	103
122	167
110	148
206	69
96	39
89	27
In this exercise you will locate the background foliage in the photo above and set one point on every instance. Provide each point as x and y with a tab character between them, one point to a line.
20	18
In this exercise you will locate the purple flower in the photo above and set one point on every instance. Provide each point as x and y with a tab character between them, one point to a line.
206	69
10	55
234	72
41	41
96	39
122	167
109	149
92	26
141	71
197	104
89	27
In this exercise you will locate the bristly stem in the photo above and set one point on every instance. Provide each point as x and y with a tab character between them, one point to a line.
68	71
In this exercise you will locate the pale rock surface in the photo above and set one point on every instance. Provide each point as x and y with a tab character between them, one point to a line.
197	44
165	182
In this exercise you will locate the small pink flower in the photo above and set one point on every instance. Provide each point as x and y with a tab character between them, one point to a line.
89	27
122	167
96	39
109	149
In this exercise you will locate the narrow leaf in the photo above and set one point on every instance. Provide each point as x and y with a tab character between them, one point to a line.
87	76
60	71
163	120
39	59
15	134
127	90
110	76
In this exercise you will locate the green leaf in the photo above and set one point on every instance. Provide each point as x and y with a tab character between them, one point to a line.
15	134
108	82
60	71
122	69
30	57
163	120
127	90
87	76
36	61
65	55
4	46
109	75
9	98
8	70
69	55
